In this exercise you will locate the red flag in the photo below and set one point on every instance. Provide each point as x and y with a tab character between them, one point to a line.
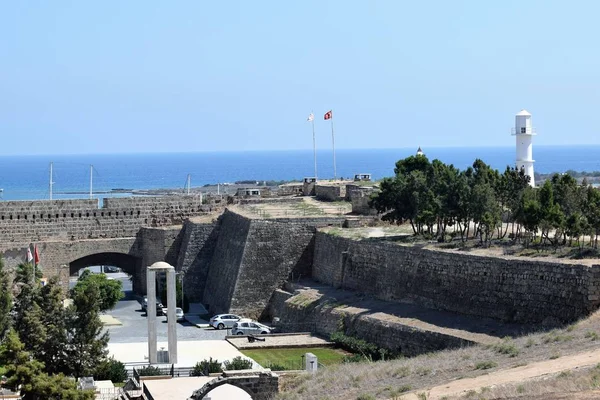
36	255
328	115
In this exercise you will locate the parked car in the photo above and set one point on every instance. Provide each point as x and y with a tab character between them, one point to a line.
159	306
249	327
222	321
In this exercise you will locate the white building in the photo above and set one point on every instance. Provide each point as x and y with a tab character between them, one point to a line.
524	132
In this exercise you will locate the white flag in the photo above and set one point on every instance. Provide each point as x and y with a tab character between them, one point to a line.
311	117
29	256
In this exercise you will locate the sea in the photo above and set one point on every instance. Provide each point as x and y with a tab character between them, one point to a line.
27	177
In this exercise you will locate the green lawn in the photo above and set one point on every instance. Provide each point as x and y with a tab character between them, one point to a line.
292	358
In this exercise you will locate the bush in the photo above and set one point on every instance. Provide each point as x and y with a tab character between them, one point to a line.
206	367
506	347
238	363
486	365
150	371
365	396
277	367
111	370
360	347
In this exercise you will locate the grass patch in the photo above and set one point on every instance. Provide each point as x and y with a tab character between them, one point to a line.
292	358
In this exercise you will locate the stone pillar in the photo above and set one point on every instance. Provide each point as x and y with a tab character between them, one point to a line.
151	314
171	317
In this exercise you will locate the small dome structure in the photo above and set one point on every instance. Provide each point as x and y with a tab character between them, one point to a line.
161	265
523	113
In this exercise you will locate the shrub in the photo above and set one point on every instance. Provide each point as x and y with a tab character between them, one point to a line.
365	396
486	365
404	388
591	335
359	346
237	363
277	367
150	371
206	367
506	347
111	370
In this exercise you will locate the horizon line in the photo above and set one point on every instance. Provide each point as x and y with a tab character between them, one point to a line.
284	150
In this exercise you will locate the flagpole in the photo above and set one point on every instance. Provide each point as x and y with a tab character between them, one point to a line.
333	146
314	147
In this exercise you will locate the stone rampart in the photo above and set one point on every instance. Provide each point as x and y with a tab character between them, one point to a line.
330	192
322	315
32	221
510	289
197	248
254	257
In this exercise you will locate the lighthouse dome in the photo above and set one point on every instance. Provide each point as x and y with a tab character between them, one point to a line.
523	113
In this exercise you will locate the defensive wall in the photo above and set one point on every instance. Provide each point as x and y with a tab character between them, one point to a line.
128	232
254	257
325	315
505	288
32	221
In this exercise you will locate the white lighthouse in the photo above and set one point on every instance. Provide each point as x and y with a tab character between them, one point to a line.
524	132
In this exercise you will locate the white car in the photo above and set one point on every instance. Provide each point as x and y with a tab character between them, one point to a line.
222	321
179	314
249	327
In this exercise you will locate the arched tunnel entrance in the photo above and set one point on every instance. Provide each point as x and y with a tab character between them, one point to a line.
129	264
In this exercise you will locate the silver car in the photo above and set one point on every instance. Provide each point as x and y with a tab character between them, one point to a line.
222	321
249	327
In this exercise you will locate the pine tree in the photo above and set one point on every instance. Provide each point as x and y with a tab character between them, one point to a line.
87	343
53	353
27	313
5	301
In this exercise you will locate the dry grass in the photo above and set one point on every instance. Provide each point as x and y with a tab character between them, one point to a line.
566	382
383	379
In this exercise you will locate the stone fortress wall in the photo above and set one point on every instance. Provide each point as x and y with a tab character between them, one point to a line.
32	221
236	263
254	257
510	289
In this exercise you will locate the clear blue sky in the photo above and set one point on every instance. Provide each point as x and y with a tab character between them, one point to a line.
150	76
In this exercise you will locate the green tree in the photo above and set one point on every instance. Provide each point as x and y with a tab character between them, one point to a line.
53	353
112	370
86	342
5	301
24	373
111	290
26	312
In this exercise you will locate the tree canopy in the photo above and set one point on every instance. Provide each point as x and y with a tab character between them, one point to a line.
110	290
483	203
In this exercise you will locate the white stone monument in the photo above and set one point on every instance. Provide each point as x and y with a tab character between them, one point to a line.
311	362
524	132
151	311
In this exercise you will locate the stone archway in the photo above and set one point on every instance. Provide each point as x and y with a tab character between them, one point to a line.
260	385
126	262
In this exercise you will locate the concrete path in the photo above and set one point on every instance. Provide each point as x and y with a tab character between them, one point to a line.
510	376
188	352
109	320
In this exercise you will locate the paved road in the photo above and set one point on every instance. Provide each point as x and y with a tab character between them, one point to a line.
135	327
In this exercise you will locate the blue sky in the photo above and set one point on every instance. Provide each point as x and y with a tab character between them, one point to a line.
141	76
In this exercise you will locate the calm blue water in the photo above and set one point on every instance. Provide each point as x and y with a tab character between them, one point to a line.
26	177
